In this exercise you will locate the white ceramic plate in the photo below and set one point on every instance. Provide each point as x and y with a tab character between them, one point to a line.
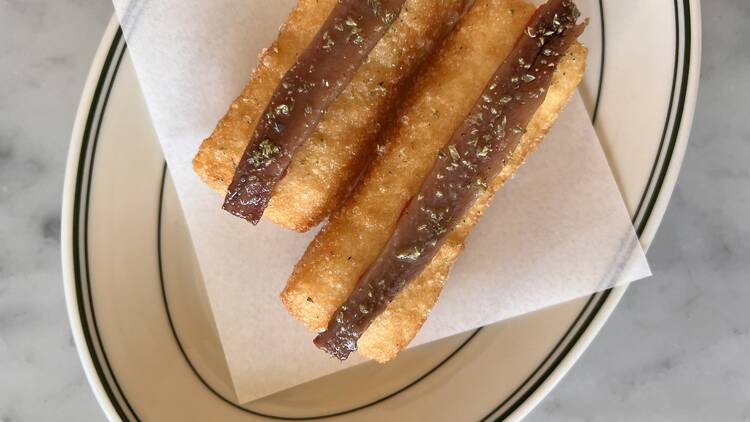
137	307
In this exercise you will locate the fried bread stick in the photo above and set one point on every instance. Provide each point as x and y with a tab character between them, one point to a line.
322	169
321	72
476	153
440	101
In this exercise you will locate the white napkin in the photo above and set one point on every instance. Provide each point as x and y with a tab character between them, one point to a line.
558	231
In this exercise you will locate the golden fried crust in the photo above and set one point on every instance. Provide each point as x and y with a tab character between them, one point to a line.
439	101
323	168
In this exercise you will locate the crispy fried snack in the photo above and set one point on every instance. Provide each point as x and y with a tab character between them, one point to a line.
323	169
438	103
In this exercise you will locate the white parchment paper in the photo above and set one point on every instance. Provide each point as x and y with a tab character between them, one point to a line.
558	231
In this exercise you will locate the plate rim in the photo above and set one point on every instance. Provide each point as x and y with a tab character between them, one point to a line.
66	223
661	197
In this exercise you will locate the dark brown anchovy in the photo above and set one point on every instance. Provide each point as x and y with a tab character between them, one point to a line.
321	72
476	153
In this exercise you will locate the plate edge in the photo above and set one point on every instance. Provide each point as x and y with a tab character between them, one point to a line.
531	402
66	223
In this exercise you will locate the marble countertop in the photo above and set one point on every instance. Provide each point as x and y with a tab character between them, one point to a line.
673	350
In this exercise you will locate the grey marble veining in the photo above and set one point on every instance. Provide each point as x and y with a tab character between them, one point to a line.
46	47
675	349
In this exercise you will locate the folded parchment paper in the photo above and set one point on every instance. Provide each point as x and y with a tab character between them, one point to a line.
556	232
